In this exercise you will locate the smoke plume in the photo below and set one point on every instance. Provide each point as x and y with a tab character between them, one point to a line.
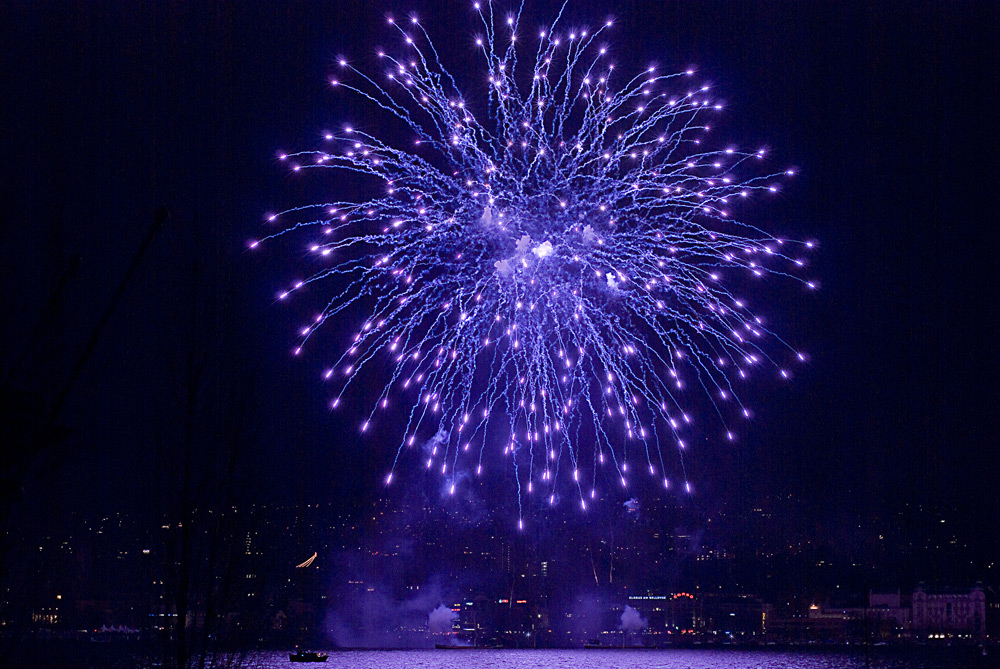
632	620
440	620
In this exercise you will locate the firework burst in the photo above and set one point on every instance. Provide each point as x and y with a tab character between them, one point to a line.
546	267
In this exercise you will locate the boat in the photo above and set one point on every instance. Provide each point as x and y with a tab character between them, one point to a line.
307	656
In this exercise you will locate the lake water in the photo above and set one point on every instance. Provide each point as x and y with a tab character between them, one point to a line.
126	656
916	658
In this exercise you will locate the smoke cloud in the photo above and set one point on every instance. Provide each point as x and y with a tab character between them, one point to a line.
632	620
543	250
435	443
440	620
375	618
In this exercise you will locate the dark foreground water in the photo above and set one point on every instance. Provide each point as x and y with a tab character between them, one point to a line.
917	658
112	656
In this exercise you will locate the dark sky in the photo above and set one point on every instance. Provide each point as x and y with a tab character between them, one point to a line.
889	109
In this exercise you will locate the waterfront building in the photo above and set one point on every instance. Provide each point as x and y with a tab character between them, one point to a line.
950	612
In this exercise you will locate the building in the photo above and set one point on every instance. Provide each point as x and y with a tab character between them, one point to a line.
950	613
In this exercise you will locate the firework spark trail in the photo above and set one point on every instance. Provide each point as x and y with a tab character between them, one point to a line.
543	282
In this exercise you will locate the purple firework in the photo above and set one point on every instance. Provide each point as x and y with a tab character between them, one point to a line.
547	266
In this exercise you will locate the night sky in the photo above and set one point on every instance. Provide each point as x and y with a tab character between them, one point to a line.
889	110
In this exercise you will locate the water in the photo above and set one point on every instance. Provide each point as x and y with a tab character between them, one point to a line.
916	658
127	656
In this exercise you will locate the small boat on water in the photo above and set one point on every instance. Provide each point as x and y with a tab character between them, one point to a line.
307	656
